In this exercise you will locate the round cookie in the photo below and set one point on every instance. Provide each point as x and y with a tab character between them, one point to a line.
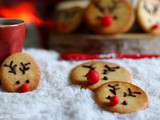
106	71
148	14
69	15
110	16
121	97
19	73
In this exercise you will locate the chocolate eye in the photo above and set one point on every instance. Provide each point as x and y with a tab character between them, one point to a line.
17	82
99	17
27	81
115	17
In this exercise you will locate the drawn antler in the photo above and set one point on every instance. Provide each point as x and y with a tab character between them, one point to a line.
131	93
113	88
111	69
24	67
89	66
12	67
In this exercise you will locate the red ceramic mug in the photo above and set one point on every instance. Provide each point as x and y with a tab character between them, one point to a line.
12	33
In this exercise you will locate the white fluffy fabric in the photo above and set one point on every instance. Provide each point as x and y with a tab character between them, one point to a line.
57	99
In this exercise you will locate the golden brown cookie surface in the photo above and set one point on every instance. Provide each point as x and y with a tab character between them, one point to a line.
69	15
19	73
148	14
121	97
106	71
110	16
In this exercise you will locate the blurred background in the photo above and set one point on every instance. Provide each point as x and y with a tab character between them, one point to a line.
40	15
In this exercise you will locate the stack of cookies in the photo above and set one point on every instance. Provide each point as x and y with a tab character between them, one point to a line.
107	16
112	86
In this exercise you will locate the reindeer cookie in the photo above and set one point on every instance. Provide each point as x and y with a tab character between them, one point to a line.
19	73
94	74
148	14
121	97
110	16
69	15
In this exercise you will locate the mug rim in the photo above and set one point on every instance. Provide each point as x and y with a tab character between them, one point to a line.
17	22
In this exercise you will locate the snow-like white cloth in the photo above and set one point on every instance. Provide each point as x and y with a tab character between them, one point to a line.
57	99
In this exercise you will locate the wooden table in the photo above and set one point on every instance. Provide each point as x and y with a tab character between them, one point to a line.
90	43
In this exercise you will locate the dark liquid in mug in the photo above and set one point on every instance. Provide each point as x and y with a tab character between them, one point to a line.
7	23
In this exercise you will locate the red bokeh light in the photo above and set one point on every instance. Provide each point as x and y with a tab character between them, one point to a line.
25	11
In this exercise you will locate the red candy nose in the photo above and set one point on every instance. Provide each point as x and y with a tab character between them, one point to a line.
92	77
25	88
106	21
114	101
156	26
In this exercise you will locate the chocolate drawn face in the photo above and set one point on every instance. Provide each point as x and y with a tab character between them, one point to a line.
108	9
20	72
129	93
122	97
24	67
93	74
109	14
105	8
107	69
13	68
150	9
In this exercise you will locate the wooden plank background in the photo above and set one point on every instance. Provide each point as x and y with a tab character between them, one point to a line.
135	41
